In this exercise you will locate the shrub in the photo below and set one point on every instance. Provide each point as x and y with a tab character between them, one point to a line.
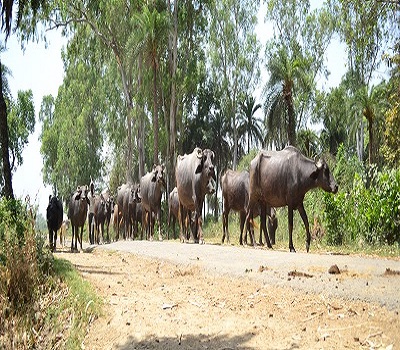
370	211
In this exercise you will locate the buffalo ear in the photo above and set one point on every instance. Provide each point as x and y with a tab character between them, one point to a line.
314	174
199	168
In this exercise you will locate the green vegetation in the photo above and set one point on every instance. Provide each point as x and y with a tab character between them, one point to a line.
44	302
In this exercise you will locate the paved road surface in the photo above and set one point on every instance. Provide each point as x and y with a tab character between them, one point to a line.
360	279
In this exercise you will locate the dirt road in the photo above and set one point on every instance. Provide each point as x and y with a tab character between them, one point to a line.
165	295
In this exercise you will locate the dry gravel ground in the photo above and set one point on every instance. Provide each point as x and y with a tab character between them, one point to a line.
167	295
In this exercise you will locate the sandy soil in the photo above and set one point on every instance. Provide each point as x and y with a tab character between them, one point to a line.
154	303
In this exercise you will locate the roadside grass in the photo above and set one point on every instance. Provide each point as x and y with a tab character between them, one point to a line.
78	309
213	234
44	302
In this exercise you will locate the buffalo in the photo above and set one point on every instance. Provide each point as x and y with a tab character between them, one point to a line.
193	173
282	178
235	194
54	216
77	212
127	197
173	208
102	215
151	186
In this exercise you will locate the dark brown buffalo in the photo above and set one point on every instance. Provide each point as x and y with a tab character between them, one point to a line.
77	211
235	194
110	210
102	214
151	186
173	209
280	178
54	216
127	197
193	173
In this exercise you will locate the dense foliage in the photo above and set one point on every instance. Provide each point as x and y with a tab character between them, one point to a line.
39	295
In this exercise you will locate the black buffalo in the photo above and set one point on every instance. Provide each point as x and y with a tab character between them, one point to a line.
54	217
280	178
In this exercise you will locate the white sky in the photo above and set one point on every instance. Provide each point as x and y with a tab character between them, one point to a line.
41	69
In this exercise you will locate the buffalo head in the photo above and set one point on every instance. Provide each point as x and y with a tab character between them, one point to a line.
206	165
158	174
324	177
135	196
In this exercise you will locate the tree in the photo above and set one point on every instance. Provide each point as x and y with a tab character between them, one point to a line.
234	52
294	58
308	142
49	138
249	125
26	9
334	111
4	139
72	137
153	28
20	124
367	30
279	106
368	103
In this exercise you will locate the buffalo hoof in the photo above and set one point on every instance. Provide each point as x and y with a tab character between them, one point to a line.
308	247
292	250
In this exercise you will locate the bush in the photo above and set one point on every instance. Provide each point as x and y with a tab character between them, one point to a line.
370	211
24	263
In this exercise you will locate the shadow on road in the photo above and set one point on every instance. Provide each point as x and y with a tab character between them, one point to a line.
220	342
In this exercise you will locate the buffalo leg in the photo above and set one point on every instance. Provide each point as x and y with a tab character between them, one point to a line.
72	238
225	226
242	224
303	215
51	239
182	218
290	220
160	237
263	226
55	240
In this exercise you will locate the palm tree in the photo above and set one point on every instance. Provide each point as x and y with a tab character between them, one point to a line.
249	125
286	73
308	142
368	103
152	35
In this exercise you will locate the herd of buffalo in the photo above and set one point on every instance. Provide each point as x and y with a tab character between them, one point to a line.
275	179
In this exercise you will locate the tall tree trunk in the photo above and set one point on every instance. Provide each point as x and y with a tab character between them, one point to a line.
371	139
8	190
140	129
129	146
360	141
235	144
291	120
155	116
173	103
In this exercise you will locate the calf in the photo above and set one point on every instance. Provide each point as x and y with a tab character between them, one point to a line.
235	194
